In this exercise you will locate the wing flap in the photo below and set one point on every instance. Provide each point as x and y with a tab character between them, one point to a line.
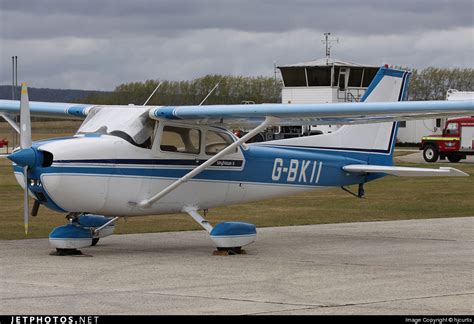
405	171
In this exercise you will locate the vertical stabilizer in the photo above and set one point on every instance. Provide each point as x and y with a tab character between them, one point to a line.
388	85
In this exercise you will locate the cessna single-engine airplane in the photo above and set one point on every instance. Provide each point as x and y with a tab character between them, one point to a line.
137	161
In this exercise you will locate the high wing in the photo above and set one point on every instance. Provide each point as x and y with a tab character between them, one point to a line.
374	108
312	114
46	109
284	114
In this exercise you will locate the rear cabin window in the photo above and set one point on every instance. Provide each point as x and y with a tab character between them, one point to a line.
217	141
180	140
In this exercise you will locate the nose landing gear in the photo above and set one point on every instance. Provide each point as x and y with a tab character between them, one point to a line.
83	230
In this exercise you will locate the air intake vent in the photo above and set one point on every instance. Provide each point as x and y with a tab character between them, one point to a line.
47	159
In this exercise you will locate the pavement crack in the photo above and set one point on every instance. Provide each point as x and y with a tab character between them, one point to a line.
403	299
235	299
361	304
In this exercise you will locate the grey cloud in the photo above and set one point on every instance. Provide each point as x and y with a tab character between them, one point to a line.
41	19
100	44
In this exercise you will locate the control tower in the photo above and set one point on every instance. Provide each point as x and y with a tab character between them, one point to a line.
325	80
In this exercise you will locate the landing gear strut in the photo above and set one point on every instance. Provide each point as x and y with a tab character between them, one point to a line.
360	191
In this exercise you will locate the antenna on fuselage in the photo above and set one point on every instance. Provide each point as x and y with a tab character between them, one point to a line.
159	84
210	92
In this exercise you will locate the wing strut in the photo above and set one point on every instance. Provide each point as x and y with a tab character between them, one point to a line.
146	203
10	121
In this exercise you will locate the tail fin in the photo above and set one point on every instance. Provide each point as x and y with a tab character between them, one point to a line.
387	85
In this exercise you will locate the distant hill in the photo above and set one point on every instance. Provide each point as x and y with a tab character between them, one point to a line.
50	95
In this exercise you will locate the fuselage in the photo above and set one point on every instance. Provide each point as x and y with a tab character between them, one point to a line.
109	175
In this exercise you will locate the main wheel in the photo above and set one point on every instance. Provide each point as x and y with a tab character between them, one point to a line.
454	158
430	153
95	241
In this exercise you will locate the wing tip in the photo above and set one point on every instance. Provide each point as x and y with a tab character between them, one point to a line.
455	172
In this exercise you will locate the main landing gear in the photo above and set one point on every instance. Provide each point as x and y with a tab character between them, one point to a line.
82	230
228	237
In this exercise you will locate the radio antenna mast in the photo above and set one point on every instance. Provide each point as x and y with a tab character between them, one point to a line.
328	42
210	92
159	84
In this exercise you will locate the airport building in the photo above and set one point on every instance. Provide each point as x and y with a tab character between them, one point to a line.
412	131
325	80
328	80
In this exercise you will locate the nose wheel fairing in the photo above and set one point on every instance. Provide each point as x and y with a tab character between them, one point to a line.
82	231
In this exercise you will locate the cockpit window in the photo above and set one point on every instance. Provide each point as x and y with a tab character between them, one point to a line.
132	124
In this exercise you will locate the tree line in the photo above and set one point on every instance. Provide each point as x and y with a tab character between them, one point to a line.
427	84
433	83
230	90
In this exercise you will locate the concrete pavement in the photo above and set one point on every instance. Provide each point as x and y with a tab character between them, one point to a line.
417	157
398	267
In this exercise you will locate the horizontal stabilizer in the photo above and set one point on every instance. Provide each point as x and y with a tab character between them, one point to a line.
405	171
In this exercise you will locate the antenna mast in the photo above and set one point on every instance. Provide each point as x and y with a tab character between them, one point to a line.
328	42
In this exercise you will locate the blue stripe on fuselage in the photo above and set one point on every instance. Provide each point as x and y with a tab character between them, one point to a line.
263	164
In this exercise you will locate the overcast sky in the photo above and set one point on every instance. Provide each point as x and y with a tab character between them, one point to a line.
100	44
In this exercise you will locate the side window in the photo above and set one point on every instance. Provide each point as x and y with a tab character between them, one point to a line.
217	141
180	139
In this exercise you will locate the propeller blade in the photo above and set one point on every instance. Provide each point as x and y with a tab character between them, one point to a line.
25	142
25	120
25	200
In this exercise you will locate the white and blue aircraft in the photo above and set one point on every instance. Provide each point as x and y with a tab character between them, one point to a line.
137	161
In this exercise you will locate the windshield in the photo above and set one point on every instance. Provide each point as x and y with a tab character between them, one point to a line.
131	124
451	128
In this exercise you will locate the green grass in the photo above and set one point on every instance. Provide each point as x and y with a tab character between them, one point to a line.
390	198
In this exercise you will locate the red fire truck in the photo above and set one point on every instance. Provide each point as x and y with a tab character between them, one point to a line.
455	143
4	142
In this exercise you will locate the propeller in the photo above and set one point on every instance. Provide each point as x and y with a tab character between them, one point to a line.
25	143
27	156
